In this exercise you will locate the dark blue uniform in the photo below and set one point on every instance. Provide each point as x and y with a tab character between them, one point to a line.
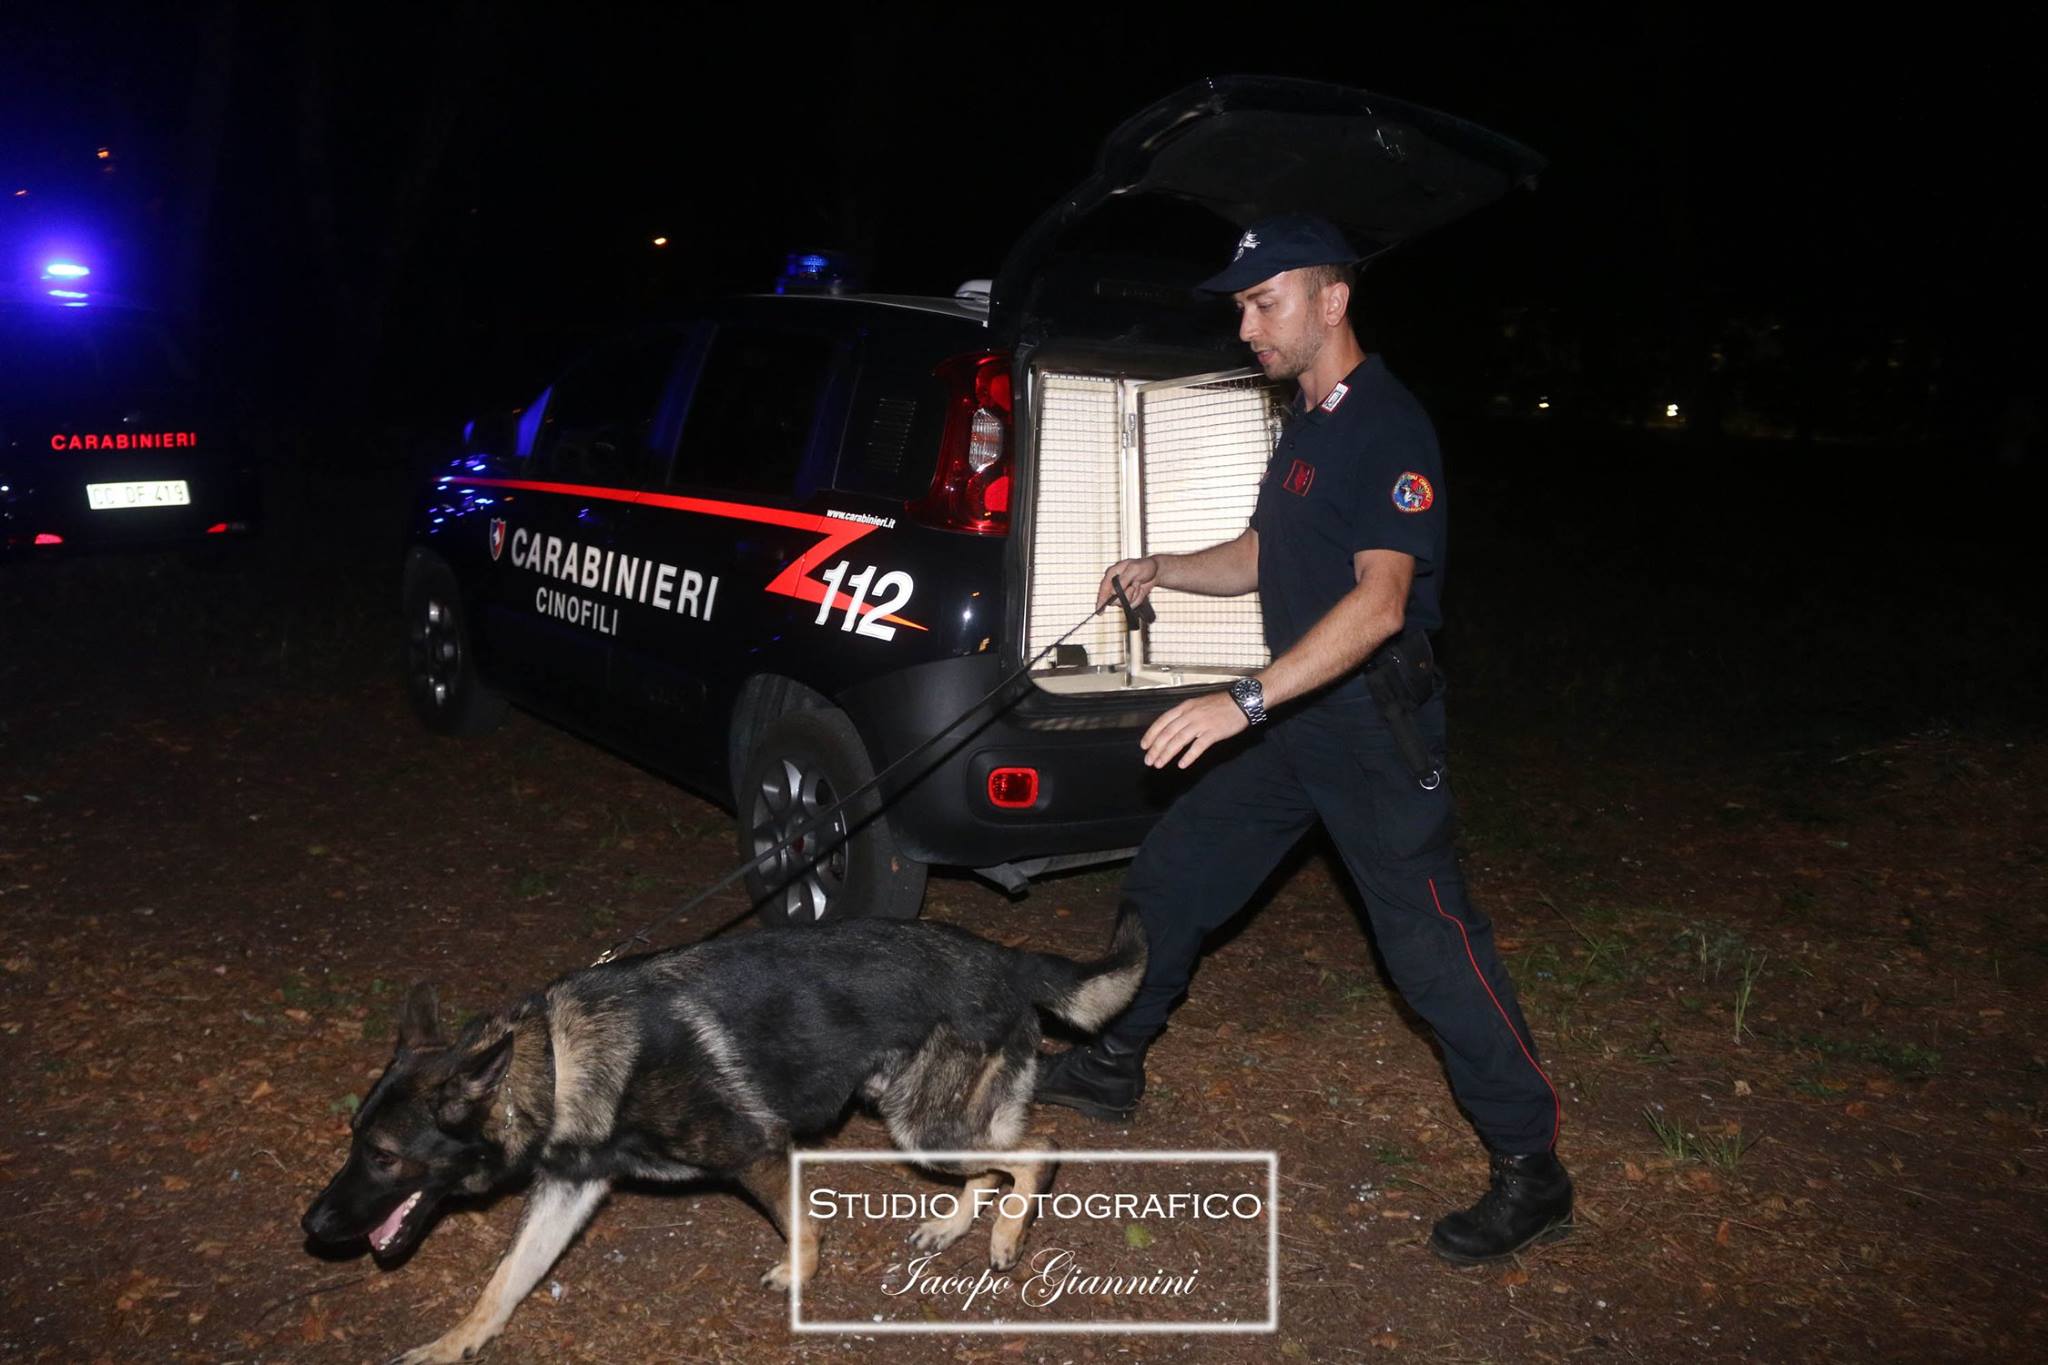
1360	471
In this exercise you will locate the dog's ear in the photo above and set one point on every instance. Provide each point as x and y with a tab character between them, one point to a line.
419	1020
473	1079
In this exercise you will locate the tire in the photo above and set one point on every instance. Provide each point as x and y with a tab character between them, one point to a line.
801	764
440	667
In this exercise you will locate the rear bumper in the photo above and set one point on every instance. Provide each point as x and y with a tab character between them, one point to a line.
1094	790
40	510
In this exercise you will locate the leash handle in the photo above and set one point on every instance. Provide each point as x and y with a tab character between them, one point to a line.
1134	617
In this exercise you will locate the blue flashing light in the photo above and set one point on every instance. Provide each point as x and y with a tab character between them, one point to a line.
814	272
529	422
69	294
75	303
65	270
468	431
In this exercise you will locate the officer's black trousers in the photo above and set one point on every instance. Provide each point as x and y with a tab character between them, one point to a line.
1334	760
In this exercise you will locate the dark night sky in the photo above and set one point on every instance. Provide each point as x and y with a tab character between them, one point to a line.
1699	159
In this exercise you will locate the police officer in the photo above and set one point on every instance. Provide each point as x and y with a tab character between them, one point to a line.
1346	548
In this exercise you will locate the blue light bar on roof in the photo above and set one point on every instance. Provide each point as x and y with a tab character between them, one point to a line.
65	270
815	272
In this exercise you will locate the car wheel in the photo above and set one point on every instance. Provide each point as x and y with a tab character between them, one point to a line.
440	668
848	868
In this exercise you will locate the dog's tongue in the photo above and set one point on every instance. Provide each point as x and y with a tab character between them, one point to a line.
389	1227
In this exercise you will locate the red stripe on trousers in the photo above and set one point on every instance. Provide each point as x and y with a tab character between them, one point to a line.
1556	1120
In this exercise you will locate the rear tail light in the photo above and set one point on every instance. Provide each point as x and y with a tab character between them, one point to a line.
1013	788
46	538
971	490
219	528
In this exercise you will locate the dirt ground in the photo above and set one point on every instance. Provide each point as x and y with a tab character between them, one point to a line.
1792	998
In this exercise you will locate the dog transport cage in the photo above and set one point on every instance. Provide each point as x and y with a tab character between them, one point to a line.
1131	467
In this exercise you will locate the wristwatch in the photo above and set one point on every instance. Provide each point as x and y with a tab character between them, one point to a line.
1250	698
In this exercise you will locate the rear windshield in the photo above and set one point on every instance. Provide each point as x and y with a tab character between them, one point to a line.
60	355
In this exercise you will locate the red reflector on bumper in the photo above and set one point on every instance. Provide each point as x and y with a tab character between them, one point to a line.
1013	788
45	538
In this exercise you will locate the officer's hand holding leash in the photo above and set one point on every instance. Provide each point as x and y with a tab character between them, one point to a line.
1129	581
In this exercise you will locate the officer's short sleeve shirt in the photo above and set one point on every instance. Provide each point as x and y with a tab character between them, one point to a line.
1359	471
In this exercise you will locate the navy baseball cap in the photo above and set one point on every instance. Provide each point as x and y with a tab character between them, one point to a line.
1287	241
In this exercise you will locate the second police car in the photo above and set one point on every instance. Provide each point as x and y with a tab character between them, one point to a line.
110	437
767	550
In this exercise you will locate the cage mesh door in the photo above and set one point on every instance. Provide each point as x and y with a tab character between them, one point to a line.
1078	526
1203	448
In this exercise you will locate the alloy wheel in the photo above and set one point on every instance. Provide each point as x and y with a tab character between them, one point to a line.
788	800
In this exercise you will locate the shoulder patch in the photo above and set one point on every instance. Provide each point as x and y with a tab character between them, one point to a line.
1413	493
1336	396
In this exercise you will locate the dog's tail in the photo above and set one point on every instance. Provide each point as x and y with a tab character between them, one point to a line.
1090	994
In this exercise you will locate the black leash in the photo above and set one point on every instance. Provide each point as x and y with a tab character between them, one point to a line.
1131	621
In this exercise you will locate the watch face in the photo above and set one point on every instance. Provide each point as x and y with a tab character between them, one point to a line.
1250	697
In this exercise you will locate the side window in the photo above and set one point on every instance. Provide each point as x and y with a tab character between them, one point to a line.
895	423
600	414
755	411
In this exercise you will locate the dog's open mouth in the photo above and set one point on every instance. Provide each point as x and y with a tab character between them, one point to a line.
387	1233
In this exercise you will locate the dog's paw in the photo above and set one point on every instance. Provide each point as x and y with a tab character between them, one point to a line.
776	1277
444	1351
428	1355
936	1234
1003	1251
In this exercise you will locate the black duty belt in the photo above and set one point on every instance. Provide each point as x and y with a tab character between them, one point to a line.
1402	676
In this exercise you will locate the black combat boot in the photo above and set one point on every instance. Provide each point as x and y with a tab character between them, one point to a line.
1103	1080
1530	1202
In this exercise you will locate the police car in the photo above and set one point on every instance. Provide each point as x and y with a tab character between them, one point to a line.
108	434
769	549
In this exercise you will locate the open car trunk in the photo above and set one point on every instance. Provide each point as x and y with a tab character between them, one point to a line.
1136	436
1128	466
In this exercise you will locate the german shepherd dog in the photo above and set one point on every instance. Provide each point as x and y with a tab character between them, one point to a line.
706	1062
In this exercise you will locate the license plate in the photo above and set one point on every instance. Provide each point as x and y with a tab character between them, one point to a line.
114	497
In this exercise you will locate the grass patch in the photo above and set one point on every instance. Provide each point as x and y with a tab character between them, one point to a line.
532	884
1653	1050
1563	1024
1752	968
1596	960
1357	988
1713	948
1540	963
1905	1059
1606	961
1723	1151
